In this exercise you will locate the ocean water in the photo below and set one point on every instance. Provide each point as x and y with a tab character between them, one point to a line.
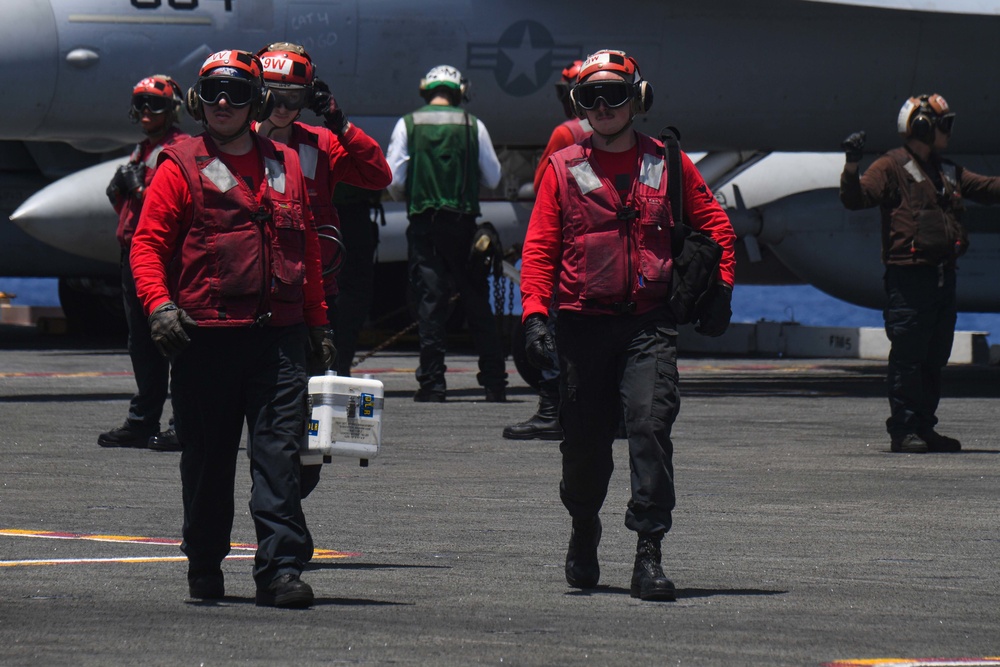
751	303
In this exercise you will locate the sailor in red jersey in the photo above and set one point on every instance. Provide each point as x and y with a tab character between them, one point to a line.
569	132
339	152
544	424
227	264
599	242
156	105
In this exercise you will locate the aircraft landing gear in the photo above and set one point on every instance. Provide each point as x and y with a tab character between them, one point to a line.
93	306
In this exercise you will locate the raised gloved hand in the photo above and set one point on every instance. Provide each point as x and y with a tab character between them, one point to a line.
323	104
321	350
539	344
854	146
166	328
717	311
129	178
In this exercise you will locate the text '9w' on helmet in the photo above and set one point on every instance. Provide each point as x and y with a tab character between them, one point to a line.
289	73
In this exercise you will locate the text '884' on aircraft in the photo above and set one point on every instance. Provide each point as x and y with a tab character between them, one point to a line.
766	90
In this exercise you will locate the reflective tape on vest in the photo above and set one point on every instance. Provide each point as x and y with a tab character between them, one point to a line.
651	171
153	154
219	175
275	172
585	177
441	118
308	158
914	170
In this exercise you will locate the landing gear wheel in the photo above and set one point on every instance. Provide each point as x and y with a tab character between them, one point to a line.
93	306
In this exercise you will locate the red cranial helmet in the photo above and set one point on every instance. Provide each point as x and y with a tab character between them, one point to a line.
569	75
157	93
640	92
286	65
236	75
608	60
571	72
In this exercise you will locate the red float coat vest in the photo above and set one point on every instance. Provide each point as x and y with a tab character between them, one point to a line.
232	268
130	206
580	129
616	255
314	149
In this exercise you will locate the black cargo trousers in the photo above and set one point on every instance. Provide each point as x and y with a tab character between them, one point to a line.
151	369
610	365
920	317
439	244
226	377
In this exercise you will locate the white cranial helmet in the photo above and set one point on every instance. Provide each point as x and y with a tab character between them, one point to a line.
444	75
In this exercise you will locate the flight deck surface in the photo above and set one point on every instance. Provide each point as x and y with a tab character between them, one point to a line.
798	538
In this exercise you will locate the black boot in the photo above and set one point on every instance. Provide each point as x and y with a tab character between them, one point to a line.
582	568
648	581
544	424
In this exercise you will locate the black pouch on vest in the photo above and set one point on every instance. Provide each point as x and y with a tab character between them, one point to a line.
696	256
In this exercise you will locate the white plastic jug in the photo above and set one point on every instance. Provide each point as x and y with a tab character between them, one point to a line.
346	418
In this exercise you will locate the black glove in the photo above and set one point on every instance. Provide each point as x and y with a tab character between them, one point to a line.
854	146
321	350
115	187
539	344
714	317
166	328
129	179
323	104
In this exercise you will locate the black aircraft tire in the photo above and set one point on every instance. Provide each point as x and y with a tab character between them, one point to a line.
93	306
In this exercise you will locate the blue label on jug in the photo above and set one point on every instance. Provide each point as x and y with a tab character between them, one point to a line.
367	407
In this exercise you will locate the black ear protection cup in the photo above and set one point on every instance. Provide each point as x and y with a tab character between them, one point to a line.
263	105
577	109
643	100
178	95
922	123
193	104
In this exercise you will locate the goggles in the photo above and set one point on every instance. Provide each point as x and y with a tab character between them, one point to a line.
292	99
945	122
614	94
238	92
153	103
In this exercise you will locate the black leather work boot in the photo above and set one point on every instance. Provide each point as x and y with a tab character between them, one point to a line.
129	434
544	424
939	443
286	590
648	580
582	568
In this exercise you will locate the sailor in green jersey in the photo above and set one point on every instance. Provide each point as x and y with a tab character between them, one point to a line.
439	156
